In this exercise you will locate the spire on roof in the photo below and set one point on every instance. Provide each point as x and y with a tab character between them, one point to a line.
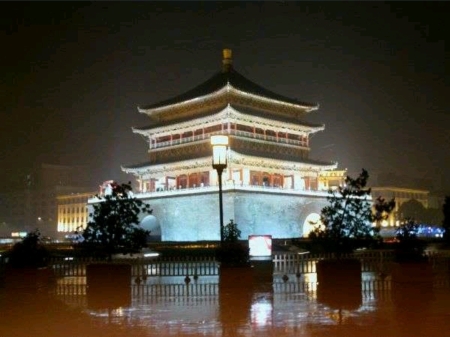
227	62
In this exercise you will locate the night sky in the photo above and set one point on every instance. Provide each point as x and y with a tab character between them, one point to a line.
73	74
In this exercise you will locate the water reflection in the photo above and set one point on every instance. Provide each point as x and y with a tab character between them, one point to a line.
167	306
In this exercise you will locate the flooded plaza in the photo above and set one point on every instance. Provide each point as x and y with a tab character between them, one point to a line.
175	306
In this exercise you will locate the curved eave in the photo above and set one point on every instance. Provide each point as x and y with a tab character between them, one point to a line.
234	158
227	90
258	162
228	112
140	131
295	106
180	165
264	120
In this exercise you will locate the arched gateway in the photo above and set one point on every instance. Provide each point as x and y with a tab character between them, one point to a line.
312	222
151	224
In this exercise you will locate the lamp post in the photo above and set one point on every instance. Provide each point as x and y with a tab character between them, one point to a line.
219	145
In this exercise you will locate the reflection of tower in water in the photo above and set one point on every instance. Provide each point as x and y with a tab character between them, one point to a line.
236	287
246	296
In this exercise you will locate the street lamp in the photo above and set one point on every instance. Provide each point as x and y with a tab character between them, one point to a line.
219	145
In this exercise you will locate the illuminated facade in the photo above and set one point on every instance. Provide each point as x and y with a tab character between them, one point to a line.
268	163
401	195
72	212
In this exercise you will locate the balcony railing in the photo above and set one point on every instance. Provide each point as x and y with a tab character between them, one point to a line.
245	134
230	186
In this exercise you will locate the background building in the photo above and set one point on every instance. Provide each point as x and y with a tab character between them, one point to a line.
409	203
73	214
34	206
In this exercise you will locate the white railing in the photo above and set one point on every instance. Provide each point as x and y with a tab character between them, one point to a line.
246	134
229	186
205	266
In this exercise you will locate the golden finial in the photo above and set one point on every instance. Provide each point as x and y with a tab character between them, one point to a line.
227	60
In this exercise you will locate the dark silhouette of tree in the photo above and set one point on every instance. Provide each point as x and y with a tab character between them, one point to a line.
446	221
114	228
232	253
29	252
382	210
347	221
231	232
409	246
412	209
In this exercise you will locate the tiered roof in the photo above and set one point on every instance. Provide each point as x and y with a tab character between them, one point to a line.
232	88
222	80
232	94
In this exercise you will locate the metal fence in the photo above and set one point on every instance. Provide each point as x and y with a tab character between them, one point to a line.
377	261
141	267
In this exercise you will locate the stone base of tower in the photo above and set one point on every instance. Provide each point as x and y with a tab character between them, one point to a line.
193	215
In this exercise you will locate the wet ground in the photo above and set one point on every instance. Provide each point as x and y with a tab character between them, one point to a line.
168	306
